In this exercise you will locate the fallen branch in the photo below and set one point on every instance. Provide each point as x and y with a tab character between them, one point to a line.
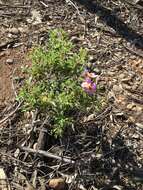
47	154
134	52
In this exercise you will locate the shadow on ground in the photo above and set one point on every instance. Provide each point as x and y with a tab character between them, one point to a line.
102	161
113	21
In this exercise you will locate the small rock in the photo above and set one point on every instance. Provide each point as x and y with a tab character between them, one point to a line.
23	29
10	35
117	88
122	75
57	184
14	31
9	61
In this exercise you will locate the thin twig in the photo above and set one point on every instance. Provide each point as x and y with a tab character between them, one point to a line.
44	4
13	87
11	114
47	154
77	9
14	160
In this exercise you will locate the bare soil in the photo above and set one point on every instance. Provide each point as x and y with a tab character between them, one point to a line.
8	72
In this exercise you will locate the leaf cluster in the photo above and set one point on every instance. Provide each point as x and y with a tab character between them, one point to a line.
53	82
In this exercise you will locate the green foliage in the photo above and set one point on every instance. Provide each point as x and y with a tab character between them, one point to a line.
53	82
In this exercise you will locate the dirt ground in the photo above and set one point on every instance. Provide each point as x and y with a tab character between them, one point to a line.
112	32
7	72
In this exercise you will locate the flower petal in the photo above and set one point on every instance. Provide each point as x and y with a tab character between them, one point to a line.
89	86
88	74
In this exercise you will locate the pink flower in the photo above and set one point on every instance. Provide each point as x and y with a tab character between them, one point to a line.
87	74
89	86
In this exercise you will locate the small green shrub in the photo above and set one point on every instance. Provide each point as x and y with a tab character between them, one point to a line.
53	84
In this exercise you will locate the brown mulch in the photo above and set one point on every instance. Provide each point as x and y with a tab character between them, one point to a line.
104	151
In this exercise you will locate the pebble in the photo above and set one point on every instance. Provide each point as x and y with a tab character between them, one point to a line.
122	75
117	88
14	31
57	184
23	29
9	61
12	36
